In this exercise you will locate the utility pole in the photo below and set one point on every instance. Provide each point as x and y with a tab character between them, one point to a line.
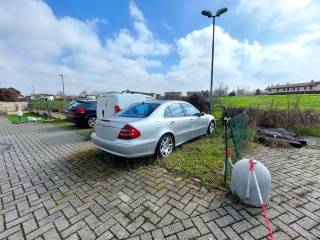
208	14
64	96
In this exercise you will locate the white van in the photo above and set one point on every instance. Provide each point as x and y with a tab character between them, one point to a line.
111	103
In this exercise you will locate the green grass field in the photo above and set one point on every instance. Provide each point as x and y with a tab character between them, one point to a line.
201	158
15	119
309	130
305	101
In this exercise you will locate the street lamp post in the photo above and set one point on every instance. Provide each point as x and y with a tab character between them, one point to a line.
208	14
64	96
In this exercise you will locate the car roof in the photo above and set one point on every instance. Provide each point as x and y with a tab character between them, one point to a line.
165	101
86	101
124	94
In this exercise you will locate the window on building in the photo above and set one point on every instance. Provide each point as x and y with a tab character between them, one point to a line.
305	88
310	87
277	89
294	89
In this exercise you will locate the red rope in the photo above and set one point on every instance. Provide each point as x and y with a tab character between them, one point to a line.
265	215
263	207
251	165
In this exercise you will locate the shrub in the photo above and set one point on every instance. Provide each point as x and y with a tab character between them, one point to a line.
200	102
232	94
279	118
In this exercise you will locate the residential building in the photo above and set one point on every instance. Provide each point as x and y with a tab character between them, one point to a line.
172	95
306	87
45	96
193	93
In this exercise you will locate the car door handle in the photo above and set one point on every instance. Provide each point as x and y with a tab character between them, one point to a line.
172	122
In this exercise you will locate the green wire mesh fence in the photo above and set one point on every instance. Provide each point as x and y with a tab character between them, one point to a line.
51	106
236	134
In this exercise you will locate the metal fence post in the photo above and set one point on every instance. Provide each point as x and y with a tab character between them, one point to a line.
232	135
226	152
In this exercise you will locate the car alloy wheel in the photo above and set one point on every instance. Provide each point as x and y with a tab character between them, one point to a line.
91	122
166	146
211	127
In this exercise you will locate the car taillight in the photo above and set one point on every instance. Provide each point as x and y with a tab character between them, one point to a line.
80	110
117	109
128	132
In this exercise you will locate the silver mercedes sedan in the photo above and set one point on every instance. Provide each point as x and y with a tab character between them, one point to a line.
149	128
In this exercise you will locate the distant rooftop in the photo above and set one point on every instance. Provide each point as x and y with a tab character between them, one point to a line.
311	83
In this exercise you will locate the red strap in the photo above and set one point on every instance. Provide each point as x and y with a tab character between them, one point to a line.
266	218
263	207
251	165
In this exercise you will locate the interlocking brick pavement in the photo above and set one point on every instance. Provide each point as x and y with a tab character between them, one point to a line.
56	185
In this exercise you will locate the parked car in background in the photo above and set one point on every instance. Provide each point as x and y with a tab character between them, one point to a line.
82	112
148	128
111	103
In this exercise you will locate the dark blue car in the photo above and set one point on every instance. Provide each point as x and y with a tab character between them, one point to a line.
82	112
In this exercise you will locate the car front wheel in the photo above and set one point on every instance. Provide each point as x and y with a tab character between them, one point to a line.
91	122
165	146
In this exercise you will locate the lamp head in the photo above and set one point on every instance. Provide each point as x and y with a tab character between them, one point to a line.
221	11
206	13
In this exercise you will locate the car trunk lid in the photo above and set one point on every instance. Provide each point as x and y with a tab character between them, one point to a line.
71	110
110	128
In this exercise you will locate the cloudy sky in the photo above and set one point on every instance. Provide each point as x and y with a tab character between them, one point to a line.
156	46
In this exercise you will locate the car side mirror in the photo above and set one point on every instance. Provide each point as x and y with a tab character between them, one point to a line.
200	114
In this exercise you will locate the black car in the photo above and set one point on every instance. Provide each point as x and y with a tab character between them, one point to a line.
82	112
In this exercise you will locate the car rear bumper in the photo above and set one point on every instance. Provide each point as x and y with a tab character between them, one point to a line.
75	119
125	148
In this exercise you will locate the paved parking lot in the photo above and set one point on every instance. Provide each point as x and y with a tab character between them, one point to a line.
56	185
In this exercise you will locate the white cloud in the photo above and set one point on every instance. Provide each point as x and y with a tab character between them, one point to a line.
242	63
193	70
281	14
135	12
167	27
144	44
37	46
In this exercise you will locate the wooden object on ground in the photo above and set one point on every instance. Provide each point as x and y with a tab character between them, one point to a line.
279	137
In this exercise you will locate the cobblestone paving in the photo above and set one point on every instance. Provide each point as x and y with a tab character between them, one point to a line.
56	185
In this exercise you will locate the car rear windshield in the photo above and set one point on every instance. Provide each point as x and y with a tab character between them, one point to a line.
140	110
81	104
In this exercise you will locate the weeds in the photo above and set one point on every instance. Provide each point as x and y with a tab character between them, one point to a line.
313	131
